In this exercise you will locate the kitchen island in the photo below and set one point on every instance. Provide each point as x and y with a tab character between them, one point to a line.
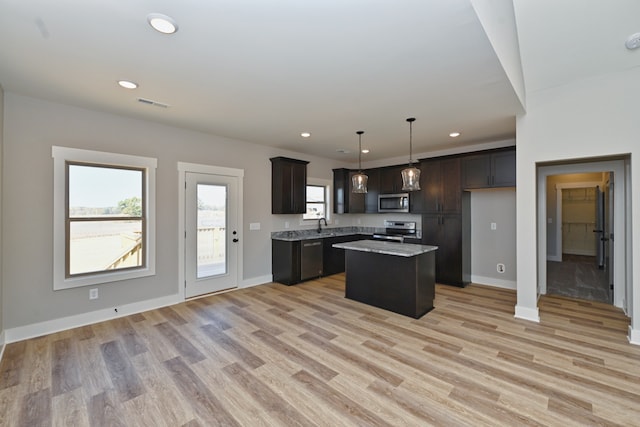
398	277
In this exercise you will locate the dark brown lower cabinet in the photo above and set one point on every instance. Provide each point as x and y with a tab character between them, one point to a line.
445	232
286	258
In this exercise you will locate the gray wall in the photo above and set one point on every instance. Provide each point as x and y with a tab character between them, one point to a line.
32	126
490	247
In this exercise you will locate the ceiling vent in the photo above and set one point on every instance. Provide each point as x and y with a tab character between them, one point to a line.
152	102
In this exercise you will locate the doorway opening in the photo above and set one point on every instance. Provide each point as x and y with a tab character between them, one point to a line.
616	198
580	256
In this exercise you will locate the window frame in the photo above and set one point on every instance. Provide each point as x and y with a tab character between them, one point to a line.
63	157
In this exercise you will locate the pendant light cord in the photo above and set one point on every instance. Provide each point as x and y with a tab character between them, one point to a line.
411	120
360	132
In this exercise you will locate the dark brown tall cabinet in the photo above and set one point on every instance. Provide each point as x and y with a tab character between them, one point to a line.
445	232
288	186
441	206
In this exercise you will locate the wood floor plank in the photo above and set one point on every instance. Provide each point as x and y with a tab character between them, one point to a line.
233	347
104	410
267	398
347	406
70	409
186	349
12	364
64	367
296	355
204	402
124	377
36	409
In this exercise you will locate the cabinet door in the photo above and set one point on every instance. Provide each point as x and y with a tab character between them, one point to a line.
288	186
451	190
449	265
476	171
503	167
445	232
285	261
373	190
428	199
299	188
391	180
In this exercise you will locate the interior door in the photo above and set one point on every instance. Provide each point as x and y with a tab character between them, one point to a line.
211	223
608	231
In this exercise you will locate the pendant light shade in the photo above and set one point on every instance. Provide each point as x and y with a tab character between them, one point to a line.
359	180
410	174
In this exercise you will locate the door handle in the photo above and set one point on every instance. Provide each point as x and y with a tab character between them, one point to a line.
235	240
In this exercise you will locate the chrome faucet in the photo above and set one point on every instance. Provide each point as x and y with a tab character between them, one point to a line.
320	224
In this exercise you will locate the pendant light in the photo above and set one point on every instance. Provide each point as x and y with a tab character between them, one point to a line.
410	174
359	180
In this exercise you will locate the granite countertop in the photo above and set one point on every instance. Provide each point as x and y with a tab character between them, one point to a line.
294	235
387	248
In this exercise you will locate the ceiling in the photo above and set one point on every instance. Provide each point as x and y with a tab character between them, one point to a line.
265	71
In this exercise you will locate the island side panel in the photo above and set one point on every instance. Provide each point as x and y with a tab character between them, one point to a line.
404	285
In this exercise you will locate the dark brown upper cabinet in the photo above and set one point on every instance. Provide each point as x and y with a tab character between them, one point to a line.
288	186
489	169
344	199
391	179
440	187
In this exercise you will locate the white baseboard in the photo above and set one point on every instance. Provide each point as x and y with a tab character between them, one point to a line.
56	325
255	281
555	258
491	281
527	313
585	252
634	336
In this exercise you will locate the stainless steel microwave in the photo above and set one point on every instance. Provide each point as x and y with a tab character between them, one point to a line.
393	202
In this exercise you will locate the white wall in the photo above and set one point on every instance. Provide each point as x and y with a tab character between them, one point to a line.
32	126
1	196
588	118
490	247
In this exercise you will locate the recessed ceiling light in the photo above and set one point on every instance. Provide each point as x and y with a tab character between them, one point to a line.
633	42
128	84
162	23
454	134
305	134
365	150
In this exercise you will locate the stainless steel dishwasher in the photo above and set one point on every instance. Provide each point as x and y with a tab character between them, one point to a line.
311	259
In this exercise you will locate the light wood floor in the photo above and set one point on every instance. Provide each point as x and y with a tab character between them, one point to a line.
303	355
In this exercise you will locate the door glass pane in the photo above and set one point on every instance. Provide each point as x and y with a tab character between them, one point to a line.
212	230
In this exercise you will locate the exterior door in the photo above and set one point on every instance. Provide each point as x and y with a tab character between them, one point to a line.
211	224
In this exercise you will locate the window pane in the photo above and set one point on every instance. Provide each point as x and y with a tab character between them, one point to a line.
314	211
104	245
315	193
104	191
212	230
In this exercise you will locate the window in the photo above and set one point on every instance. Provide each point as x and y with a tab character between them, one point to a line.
317	206
104	228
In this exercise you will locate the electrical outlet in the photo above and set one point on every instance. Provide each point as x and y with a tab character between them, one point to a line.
254	226
93	293
494	226
286	224
500	268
